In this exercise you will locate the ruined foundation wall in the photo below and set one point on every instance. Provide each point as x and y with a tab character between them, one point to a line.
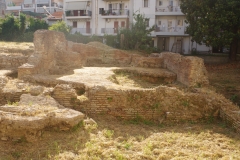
190	70
12	61
163	104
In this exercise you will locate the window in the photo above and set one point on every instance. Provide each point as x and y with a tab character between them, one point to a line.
160	3
74	24
147	22
115	6
159	23
180	22
145	3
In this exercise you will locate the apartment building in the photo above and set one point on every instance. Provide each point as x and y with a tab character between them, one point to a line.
2	8
37	6
99	17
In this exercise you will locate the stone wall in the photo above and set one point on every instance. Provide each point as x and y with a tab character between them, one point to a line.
162	104
53	54
231	117
65	95
12	61
47	45
190	70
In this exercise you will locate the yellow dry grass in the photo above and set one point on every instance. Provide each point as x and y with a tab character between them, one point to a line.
16	47
116	139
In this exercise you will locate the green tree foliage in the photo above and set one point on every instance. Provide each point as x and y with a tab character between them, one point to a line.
138	35
9	29
23	21
214	22
60	26
35	24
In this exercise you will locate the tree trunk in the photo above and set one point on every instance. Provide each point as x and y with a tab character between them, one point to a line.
233	50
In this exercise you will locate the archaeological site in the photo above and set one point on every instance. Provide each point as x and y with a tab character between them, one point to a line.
58	83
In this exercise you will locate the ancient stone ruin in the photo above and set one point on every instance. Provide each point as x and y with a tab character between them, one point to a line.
61	81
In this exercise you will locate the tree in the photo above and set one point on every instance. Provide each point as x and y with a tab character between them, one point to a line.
138	35
214	22
9	29
35	24
60	26
22	23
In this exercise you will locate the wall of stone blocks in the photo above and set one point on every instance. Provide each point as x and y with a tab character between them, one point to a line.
12	61
231	118
190	70
158	104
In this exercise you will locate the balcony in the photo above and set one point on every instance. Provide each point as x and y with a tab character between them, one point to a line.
170	31
75	14
83	31
114	13
169	10
109	31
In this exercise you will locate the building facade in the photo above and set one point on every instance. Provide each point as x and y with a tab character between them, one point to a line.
36	6
99	17
2	8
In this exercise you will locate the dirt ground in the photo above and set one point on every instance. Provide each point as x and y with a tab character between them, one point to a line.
225	79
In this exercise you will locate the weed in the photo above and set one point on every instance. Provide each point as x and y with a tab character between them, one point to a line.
80	91
16	154
234	98
22	140
118	155
210	119
15	103
148	148
127	145
77	127
185	103
73	99
198	85
108	133
110	99
9	102
30	103
57	147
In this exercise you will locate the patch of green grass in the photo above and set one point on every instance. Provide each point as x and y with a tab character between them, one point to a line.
139	120
77	127
234	98
108	133
185	103
16	154
110	99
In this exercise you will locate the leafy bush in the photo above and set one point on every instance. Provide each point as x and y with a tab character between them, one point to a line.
36	24
111	40
26	37
60	26
79	38
9	29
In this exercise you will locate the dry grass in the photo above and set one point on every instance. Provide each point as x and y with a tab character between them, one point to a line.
124	78
115	139
16	47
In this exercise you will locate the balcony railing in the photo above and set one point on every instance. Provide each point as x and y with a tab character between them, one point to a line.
82	30
109	30
168	9
74	13
171	29
115	12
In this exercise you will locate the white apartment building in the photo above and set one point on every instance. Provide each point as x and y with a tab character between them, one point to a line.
37	6
99	17
2	8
